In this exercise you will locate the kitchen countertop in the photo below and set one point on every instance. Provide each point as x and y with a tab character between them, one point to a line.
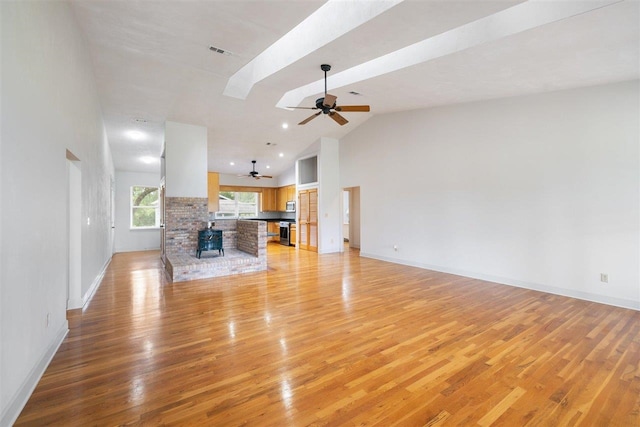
271	219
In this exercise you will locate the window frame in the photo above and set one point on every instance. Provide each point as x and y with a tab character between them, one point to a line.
236	213
132	207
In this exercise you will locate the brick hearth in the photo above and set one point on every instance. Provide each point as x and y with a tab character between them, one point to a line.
244	242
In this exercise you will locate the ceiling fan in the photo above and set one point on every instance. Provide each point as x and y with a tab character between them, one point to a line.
253	174
327	105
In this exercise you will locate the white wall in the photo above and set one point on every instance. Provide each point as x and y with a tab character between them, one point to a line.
538	191
288	177
49	105
185	160
127	240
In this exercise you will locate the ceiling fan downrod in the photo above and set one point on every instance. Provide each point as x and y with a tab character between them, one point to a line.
325	68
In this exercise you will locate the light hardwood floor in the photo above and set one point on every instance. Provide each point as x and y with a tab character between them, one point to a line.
337	340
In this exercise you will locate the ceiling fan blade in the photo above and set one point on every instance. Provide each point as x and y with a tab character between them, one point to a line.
303	108
354	108
308	119
329	100
266	176
338	118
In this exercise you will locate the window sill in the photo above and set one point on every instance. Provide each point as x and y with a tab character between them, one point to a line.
143	228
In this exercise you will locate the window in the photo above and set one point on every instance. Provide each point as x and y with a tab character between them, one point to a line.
236	204
145	207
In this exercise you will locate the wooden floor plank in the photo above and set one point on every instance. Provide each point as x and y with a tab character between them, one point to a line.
336	339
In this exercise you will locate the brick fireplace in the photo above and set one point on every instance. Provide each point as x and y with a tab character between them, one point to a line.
244	242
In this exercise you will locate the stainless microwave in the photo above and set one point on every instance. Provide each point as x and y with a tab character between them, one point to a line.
291	206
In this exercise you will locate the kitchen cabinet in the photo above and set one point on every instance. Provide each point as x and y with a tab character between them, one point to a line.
308	219
291	193
285	194
268	200
213	191
282	199
292	234
273	227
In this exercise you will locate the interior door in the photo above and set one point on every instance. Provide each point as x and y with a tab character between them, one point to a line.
313	220
303	219
308	219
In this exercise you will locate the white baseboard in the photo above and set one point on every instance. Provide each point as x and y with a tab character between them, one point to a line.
96	283
120	249
602	299
10	415
75	303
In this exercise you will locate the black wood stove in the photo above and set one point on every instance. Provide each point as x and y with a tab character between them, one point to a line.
209	240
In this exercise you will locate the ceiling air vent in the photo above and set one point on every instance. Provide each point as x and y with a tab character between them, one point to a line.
355	93
221	51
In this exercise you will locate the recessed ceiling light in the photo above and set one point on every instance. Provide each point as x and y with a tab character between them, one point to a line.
147	159
136	135
285	125
281	154
232	164
268	167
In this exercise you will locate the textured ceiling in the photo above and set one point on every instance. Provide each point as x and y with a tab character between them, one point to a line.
152	62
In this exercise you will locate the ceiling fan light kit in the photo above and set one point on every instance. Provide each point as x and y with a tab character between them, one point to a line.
254	174
327	105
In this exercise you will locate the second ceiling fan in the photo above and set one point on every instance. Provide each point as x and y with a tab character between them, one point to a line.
254	174
327	105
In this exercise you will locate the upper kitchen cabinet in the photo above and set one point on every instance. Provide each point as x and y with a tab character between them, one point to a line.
282	199
268	200
285	194
213	190
291	193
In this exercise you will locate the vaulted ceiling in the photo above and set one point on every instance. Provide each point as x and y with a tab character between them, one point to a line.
153	63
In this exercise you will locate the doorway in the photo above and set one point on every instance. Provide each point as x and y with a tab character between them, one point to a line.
74	225
351	217
345	219
163	254
112	210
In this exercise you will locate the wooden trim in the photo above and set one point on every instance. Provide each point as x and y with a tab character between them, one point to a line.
243	189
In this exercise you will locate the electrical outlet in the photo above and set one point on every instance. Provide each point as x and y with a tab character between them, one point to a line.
604	277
